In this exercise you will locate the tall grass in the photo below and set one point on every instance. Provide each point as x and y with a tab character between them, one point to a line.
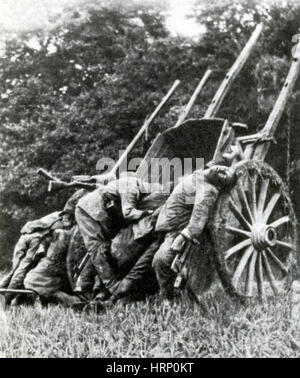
218	327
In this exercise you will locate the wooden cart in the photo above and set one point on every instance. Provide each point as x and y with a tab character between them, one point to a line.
250	240
251	237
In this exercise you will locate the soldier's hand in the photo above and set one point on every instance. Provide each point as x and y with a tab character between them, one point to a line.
178	243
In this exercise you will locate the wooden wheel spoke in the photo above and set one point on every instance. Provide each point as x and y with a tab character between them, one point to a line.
284	244
280	221
237	247
252	197
262	197
260	277
270	206
251	274
270	275
241	265
244	201
255	249
235	198
239	216
238	231
277	262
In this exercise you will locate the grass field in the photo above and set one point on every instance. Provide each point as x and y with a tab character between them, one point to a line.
217	328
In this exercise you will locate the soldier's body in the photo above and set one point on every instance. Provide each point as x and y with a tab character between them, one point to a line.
49	278
183	221
32	243
101	214
132	250
36	238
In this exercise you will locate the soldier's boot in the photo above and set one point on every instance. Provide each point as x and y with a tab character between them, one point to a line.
99	291
103	295
94	306
85	282
24	299
123	290
98	286
101	259
67	300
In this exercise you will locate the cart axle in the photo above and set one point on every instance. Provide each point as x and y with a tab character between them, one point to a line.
263	236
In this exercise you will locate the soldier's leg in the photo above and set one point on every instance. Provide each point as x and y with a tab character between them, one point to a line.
85	281
162	262
67	300
141	279
97	245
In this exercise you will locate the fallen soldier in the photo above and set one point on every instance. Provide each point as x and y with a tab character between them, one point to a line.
49	278
100	215
44	237
132	251
183	219
33	241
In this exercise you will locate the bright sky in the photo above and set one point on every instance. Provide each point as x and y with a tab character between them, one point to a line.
22	15
179	23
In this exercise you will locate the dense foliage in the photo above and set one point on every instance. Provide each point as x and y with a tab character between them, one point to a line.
80	90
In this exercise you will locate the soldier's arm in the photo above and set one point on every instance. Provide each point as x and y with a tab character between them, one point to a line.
33	246
129	203
206	197
148	188
130	196
20	249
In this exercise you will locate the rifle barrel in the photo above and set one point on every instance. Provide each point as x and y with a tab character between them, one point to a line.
47	175
57	185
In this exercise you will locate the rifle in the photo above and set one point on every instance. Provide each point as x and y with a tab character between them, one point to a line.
79	268
57	184
178	266
42	172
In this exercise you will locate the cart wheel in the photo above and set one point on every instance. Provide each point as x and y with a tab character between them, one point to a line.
254	233
76	252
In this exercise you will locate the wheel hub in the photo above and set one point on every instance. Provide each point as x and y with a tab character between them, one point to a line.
263	236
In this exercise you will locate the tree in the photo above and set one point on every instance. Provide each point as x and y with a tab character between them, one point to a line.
80	89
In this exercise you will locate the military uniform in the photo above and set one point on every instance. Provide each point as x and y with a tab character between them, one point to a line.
180	215
101	214
33	242
50	275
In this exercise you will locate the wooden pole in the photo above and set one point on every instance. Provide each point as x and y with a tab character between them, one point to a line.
270	127
131	145
232	74
190	104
